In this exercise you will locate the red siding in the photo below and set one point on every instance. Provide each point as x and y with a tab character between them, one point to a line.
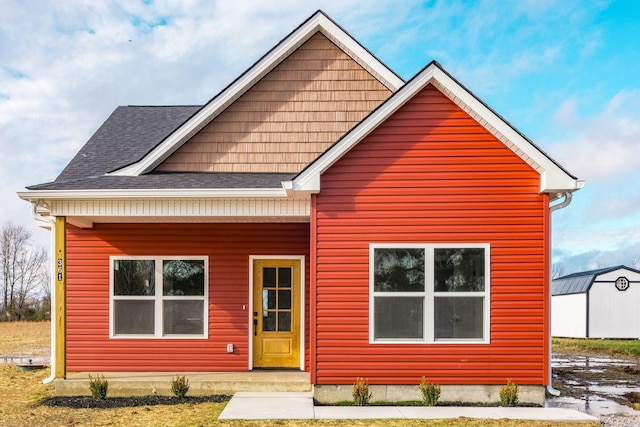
430	174
228	247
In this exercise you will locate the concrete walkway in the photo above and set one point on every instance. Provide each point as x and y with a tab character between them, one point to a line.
271	406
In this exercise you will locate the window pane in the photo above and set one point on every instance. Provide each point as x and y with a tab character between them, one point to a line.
133	277
183	317
183	277
284	321
398	270
459	269
459	317
284	277
268	299
398	317
269	277
133	317
269	321
284	299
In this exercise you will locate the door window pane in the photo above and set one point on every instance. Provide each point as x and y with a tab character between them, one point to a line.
133	317
284	321
183	277
133	277
398	270
399	317
269	321
268	299
183	317
459	317
269	277
284	277
284	299
459	269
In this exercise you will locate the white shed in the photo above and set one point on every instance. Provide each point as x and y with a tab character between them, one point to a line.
601	303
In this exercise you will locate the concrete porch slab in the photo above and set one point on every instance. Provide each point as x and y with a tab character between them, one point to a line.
123	384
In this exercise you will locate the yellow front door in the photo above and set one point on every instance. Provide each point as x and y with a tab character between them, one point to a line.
276	313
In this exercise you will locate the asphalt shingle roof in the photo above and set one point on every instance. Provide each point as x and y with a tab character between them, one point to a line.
126	137
176	180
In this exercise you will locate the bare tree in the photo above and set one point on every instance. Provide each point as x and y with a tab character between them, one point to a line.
23	269
557	270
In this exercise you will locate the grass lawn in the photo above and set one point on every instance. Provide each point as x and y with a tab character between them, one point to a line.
24	338
623	348
22	390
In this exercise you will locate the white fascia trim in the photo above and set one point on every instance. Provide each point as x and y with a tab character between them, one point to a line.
318	22
553	178
361	55
153	194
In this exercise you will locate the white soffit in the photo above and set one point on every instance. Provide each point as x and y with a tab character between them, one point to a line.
553	177
318	22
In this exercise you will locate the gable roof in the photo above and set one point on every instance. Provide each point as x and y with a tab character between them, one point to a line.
288	118
554	178
125	150
318	22
581	282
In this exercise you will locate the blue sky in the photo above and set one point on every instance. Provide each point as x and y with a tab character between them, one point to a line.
566	73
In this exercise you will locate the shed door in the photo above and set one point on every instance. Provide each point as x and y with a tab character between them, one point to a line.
276	313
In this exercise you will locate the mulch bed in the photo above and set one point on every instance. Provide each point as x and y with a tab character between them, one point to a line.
124	402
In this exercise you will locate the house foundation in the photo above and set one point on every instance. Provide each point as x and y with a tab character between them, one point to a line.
125	384
528	394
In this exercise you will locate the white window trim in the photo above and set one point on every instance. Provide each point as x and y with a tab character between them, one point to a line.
159	298
429	294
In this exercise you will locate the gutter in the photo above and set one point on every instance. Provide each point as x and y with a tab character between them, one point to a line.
49	222
567	200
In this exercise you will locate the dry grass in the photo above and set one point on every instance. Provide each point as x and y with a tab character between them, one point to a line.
22	390
24	338
619	348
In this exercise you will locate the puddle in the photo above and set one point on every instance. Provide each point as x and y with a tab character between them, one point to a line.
24	359
592	405
599	386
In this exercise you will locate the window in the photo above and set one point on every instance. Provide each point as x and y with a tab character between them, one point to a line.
159	297
429	293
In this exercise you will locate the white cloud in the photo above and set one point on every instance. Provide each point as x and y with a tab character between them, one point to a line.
604	145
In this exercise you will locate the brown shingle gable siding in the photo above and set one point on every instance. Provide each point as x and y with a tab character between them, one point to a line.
288	118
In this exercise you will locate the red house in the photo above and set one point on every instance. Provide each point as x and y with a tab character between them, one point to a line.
318	214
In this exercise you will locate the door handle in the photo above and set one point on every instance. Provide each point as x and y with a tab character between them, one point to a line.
255	327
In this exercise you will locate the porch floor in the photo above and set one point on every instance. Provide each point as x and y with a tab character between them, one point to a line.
122	384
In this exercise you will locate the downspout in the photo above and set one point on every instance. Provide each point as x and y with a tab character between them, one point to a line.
49	221
567	200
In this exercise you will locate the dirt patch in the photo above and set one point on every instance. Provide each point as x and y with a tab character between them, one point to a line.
581	376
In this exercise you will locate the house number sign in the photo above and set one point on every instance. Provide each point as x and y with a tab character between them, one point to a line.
622	283
59	269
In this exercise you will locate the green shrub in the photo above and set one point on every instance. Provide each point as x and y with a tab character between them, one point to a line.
361	395
430	392
509	394
98	386
180	386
